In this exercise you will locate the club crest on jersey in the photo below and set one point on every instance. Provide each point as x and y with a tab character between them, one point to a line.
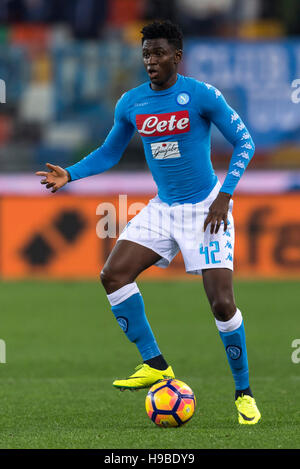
183	99
157	125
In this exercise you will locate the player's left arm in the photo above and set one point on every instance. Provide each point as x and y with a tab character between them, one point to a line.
217	110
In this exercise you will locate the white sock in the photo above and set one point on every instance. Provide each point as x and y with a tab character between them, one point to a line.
231	325
123	293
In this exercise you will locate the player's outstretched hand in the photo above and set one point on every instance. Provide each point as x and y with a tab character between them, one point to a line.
56	178
218	212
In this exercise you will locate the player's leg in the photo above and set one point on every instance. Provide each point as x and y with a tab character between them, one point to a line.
218	285
126	261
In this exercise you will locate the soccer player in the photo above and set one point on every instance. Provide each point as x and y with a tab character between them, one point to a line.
192	212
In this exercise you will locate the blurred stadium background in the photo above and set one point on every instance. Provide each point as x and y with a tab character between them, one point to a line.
64	64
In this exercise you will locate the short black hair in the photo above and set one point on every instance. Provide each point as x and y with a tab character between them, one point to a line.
164	29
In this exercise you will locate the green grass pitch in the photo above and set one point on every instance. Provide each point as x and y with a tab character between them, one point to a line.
64	348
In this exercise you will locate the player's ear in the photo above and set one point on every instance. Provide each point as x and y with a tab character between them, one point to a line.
177	56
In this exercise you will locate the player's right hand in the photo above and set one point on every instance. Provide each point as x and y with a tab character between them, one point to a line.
56	178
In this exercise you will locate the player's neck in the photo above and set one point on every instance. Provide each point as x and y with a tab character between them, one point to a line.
164	86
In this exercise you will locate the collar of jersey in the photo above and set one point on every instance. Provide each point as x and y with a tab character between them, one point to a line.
168	90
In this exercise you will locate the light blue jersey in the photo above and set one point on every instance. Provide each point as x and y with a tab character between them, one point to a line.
175	127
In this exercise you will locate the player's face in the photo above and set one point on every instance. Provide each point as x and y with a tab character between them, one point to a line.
161	61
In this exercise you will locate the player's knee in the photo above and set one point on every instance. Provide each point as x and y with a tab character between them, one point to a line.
223	308
108	278
112	280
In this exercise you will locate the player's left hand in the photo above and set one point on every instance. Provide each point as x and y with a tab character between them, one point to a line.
218	212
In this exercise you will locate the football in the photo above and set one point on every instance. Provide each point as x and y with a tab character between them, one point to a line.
170	403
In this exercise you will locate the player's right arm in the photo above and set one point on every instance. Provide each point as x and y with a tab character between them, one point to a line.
214	107
101	159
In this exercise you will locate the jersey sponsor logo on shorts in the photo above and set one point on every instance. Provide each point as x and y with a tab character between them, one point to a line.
164	150
157	125
227	233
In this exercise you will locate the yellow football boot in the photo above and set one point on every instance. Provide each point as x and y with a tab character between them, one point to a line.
144	377
247	410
